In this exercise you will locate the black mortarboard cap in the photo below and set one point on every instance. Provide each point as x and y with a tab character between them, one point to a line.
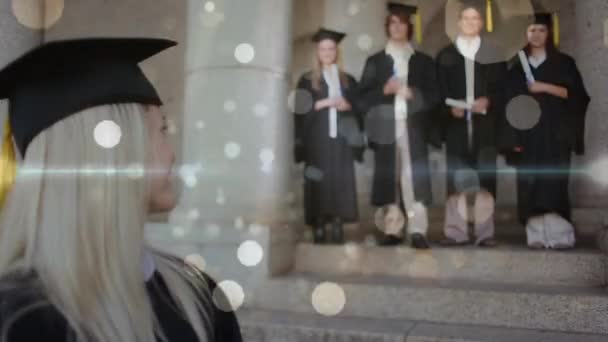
398	8
61	78
544	19
324	33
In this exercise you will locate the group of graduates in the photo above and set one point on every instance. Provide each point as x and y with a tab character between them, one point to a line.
406	101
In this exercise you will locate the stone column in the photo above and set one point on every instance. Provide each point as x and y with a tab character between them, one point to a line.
237	140
585	33
134	18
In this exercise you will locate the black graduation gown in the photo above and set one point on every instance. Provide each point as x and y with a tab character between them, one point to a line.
329	188
489	82
549	144
380	124
46	323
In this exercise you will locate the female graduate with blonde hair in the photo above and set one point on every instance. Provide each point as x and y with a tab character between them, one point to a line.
73	262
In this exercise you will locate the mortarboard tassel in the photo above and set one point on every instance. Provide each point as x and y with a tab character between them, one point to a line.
8	164
418	26
489	16
556	30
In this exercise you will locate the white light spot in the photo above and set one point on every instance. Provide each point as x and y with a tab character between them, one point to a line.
256	229
107	134
370	241
260	110
188	174
352	250
178	232
200	124
364	42
135	171
239	223
244	53
220	197
267	158
209	6
328	299
599	171
37	14
523	112
194	214
228	296
424	266
196	260
353	8
250	253
312	173
232	150
300	101
229	106
171	127
213	230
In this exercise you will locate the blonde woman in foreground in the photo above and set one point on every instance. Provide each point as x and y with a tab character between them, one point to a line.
73	262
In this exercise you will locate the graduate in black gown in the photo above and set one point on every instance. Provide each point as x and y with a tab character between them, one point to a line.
328	139
398	92
543	142
95	161
471	74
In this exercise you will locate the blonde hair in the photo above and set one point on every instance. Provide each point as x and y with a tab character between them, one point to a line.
317	68
77	220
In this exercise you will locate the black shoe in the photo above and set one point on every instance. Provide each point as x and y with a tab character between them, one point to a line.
419	241
337	233
318	234
390	241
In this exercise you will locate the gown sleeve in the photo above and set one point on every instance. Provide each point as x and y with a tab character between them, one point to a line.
509	137
227	327
578	103
356	138
303	106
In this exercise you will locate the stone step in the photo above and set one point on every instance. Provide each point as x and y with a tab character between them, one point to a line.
505	264
564	309
274	326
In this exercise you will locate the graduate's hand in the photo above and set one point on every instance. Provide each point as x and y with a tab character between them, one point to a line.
548	88
406	93
481	105
458	113
325	103
391	87
343	105
518	149
537	87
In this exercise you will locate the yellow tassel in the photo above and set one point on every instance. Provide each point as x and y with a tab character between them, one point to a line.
418	27
556	29
489	16
8	164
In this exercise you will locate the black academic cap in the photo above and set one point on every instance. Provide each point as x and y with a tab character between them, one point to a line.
61	78
544	19
398	8
479	5
323	33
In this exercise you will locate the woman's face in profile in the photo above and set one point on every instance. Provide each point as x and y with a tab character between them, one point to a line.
162	193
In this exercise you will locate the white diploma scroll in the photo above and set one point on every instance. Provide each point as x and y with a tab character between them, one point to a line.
524	63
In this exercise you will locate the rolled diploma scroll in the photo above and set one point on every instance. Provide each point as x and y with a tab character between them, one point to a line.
460	104
524	63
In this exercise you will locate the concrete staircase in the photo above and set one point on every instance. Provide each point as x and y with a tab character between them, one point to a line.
445	294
